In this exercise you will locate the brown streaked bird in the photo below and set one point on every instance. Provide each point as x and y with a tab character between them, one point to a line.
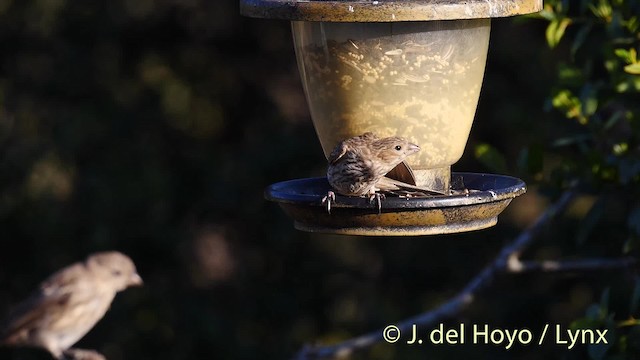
358	165
69	303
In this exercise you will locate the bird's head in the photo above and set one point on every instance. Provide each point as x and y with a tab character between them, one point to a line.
393	150
114	269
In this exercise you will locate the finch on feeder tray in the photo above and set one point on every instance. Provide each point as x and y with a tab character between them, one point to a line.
358	165
68	304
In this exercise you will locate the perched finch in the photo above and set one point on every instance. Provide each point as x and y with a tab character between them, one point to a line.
358	165
69	303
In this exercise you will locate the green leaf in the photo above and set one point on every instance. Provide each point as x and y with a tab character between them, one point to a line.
570	140
630	244
633	69
556	30
620	149
629	56
589	99
566	102
570	75
610	65
491	158
602	10
622	86
622	54
633	24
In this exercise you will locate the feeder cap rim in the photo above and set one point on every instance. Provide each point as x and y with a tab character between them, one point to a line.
386	10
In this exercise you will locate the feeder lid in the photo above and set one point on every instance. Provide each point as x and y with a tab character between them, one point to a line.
385	10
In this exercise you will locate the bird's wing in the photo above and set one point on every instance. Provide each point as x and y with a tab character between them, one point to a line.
338	152
388	184
402	172
357	142
52	294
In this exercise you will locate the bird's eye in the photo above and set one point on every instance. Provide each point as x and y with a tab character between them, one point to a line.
116	272
398	147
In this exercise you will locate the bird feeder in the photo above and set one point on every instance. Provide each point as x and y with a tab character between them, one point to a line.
411	68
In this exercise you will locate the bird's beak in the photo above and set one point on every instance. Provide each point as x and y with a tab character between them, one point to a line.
413	148
135	280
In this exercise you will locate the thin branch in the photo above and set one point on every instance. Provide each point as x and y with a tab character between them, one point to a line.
570	265
453	305
82	354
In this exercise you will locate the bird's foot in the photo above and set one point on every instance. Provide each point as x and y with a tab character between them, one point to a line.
327	200
377	197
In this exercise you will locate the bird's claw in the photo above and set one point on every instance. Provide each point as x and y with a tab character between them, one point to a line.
328	199
377	197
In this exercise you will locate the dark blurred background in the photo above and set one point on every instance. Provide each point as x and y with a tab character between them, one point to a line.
152	127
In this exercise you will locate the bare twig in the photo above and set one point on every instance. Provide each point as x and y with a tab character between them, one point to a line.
507	256
570	265
82	354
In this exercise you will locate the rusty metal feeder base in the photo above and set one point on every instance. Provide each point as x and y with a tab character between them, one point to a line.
488	196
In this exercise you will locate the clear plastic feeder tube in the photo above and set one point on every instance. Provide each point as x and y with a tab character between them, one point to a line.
419	80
